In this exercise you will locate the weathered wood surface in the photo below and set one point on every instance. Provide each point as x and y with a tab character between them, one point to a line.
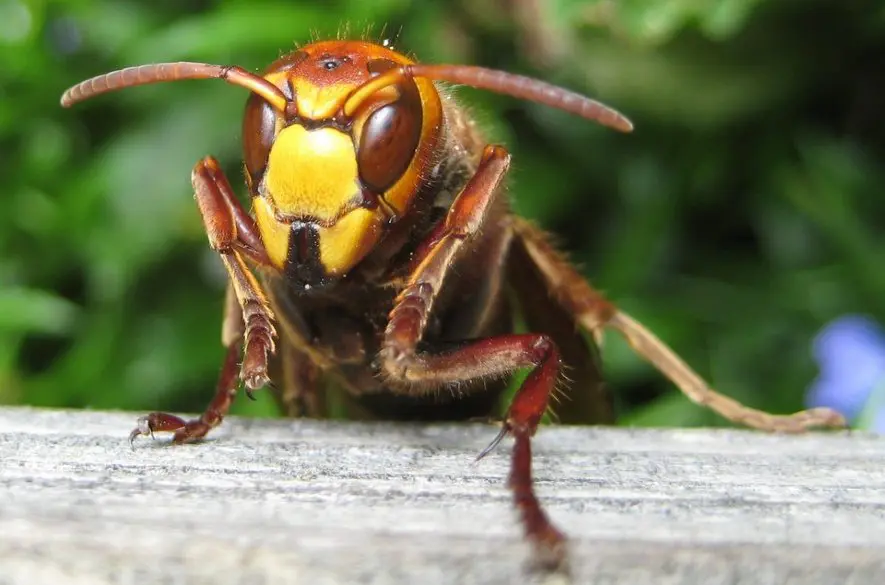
317	503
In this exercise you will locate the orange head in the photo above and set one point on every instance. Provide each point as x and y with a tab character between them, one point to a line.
334	177
338	139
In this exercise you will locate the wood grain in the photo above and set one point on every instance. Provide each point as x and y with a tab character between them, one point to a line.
325	503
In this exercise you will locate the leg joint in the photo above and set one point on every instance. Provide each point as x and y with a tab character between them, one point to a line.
542	349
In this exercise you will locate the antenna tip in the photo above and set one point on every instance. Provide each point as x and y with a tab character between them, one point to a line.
69	97
621	123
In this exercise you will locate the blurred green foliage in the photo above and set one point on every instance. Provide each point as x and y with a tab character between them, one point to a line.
739	217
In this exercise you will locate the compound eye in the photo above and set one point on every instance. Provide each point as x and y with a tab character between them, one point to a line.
390	136
259	125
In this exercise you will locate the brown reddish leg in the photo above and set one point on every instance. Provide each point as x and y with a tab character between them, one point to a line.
192	430
298	393
232	330
233	234
248	324
420	372
595	313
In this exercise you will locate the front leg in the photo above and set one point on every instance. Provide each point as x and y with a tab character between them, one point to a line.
421	372
233	234
248	329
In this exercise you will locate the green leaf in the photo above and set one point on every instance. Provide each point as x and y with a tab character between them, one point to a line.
25	310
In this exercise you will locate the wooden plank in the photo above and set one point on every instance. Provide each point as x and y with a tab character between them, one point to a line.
323	503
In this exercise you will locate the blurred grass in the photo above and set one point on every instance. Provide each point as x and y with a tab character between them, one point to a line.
740	216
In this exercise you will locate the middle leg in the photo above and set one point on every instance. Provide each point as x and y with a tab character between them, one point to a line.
186	431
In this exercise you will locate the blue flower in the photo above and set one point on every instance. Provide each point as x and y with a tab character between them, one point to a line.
850	353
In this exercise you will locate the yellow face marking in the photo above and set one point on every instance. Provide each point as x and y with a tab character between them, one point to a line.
345	243
319	102
274	234
312	172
